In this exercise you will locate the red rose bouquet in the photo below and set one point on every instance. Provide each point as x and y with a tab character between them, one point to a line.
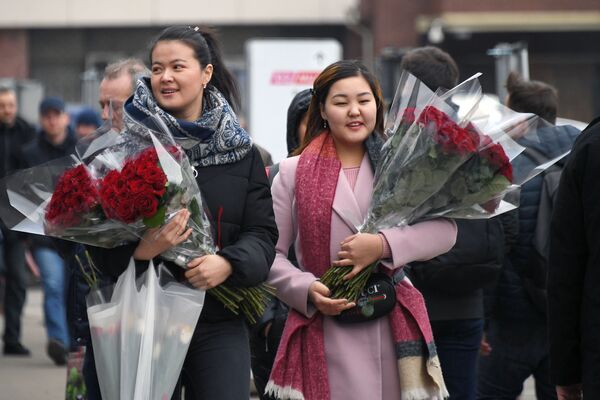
119	186
444	157
143	181
60	199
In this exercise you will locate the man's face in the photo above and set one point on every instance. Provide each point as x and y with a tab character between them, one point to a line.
8	108
83	130
54	123
113	93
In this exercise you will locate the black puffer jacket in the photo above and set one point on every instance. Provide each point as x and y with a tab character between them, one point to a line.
573	271
239	202
512	300
452	283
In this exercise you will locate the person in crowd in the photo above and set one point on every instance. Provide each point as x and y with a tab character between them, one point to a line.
313	194
265	155
194	94
116	86
14	133
453	283
86	122
266	333
573	276
517	331
55	139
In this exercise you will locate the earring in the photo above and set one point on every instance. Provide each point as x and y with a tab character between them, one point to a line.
204	85
325	125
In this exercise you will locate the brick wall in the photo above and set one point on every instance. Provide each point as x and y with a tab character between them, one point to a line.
14	51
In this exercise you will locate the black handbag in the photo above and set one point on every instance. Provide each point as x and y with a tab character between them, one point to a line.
377	299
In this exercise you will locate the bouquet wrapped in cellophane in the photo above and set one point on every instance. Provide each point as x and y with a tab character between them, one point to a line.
144	178
60	199
451	154
116	187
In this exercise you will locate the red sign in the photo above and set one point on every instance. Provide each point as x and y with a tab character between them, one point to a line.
293	77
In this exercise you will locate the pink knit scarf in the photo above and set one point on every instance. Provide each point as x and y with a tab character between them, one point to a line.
300	368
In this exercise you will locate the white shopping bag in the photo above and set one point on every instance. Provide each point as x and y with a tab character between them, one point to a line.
141	330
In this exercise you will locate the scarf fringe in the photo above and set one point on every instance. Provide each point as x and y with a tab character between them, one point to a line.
424	394
283	393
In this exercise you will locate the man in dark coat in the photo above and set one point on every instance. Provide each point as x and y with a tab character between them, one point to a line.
574	276
55	140
14	133
518	328
452	284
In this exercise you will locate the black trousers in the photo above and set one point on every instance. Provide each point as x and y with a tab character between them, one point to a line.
12	267
264	350
217	364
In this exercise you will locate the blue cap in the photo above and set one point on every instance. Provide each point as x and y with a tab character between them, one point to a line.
87	116
52	103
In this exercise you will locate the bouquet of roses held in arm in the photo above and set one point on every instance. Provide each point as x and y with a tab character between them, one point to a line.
144	180
60	199
437	161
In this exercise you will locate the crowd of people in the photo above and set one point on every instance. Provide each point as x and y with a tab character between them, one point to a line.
477	316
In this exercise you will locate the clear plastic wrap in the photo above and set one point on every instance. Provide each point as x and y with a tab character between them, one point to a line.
141	330
448	155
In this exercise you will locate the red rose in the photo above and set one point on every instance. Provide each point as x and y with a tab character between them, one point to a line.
147	204
408	117
125	211
494	154
138	185
448	134
155	177
68	202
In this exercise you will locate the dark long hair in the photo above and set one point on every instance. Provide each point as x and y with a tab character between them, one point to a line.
330	75
207	51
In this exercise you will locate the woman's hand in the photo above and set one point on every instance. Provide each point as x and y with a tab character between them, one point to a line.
359	251
158	240
206	272
319	296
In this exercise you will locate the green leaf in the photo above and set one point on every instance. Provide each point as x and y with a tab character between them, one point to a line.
195	210
157	219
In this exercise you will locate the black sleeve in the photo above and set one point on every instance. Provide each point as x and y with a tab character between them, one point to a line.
567	263
253	253
112	262
510	225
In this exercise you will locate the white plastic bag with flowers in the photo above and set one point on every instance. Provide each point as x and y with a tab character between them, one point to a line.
141	329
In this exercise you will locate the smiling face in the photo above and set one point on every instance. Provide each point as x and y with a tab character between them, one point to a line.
178	79
350	110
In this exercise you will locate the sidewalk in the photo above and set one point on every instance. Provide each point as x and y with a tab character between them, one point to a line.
37	378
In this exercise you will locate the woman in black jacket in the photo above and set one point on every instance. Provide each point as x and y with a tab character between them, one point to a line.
193	93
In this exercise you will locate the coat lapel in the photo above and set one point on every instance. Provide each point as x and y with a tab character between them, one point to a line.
352	205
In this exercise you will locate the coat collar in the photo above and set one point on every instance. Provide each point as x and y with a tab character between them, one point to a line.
352	205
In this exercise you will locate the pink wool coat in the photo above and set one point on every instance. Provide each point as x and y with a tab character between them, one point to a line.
361	359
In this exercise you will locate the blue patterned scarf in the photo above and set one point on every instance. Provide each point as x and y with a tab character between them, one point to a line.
215	139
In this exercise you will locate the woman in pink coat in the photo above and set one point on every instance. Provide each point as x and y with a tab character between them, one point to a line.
319	198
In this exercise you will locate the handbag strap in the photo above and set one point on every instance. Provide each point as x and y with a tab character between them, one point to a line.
398	275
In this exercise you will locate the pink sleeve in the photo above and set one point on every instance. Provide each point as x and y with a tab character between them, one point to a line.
387	251
291	283
419	242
